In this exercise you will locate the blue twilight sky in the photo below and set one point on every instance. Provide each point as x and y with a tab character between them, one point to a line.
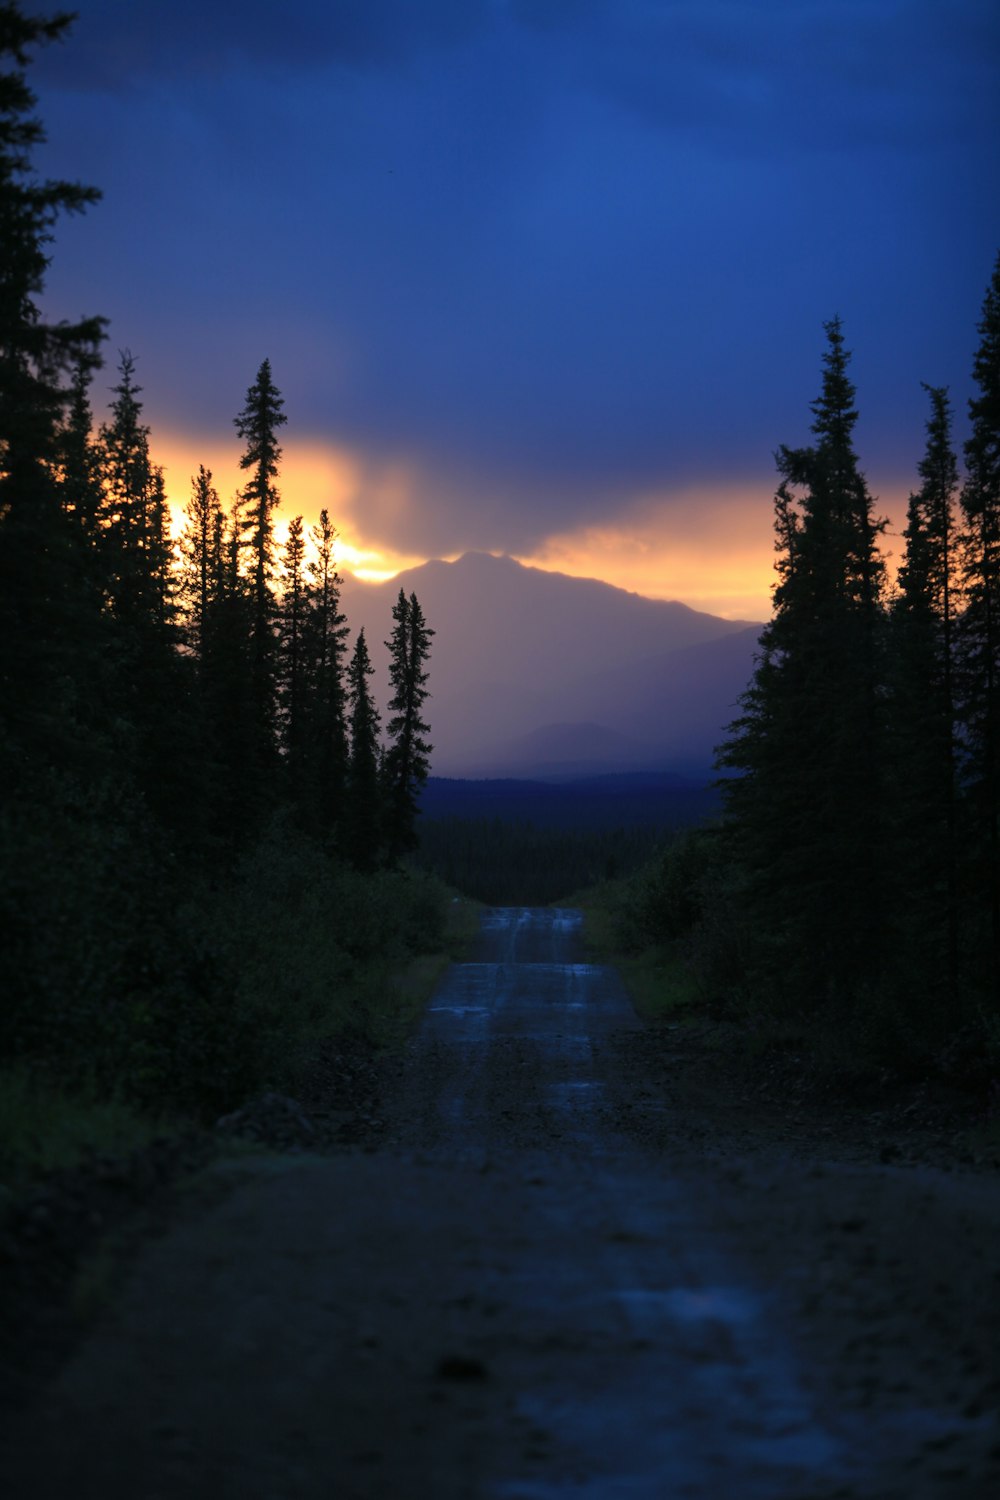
537	276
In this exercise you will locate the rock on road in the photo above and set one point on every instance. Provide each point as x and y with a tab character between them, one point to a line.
524	1294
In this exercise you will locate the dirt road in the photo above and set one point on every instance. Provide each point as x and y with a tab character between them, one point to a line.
553	1279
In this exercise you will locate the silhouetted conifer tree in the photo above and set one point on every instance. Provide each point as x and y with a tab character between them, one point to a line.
324	738
980	621
292	626
407	758
80	465
923	792
362	823
805	811
135	532
158	684
258	425
201	562
45	605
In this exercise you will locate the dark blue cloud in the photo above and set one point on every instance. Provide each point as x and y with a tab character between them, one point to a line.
553	255
120	42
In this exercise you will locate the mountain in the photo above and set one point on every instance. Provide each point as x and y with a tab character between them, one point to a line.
536	673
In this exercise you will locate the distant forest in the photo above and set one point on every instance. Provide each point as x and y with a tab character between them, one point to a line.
202	817
536	842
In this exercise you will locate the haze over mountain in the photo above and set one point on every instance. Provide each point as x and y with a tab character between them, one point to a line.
535	673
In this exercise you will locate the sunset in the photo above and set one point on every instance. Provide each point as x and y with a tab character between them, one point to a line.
499	750
533	278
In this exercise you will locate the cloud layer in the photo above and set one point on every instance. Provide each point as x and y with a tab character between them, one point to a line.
530	261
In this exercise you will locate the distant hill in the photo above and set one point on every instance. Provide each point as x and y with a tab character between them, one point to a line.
539	674
597	802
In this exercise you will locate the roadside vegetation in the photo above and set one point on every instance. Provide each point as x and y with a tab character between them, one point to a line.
204	823
848	899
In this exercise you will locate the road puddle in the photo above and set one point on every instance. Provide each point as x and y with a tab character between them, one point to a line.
720	1304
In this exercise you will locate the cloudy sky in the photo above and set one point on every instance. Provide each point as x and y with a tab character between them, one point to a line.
537	276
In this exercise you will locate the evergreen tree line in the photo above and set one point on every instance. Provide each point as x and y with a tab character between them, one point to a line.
176	715
241	689
857	870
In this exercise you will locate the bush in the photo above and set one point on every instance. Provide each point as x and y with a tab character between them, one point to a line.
168	987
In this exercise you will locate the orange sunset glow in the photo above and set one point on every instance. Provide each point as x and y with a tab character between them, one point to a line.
709	547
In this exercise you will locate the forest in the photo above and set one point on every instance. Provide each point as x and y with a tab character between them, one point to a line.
203	818
209	846
851	888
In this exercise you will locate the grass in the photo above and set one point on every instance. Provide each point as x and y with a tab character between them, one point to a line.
45	1127
395	1006
659	980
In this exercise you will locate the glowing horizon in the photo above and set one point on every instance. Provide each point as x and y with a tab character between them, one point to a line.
709	546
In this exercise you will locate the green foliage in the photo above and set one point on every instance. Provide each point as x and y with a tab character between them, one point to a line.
184	990
45	1127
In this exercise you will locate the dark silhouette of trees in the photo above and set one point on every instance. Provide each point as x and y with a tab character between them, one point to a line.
135	530
324	734
407	758
202	573
363	822
257	424
46	606
808	800
861	848
178	800
921	743
292	629
979	627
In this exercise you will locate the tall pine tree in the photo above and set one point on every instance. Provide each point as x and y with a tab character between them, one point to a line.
407	758
46	607
805	808
292	630
324	732
257	424
362	821
979	654
922	799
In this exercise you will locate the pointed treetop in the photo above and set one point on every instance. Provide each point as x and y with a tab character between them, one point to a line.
834	411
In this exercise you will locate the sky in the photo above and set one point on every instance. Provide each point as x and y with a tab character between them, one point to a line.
545	277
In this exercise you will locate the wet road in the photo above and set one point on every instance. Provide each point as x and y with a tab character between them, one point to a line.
656	1368
518	1298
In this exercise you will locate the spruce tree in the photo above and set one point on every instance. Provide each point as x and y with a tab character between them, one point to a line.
407	759
80	466
254	522
923	796
201	562
158	690
292	628
979	645
804	810
135	533
45	604
325	747
257	424
362	823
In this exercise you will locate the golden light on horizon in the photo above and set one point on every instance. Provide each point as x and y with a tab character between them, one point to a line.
711	548
313	476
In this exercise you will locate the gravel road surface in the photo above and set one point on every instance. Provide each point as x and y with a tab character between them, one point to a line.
553	1278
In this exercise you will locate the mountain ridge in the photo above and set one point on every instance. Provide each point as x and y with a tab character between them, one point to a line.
533	670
